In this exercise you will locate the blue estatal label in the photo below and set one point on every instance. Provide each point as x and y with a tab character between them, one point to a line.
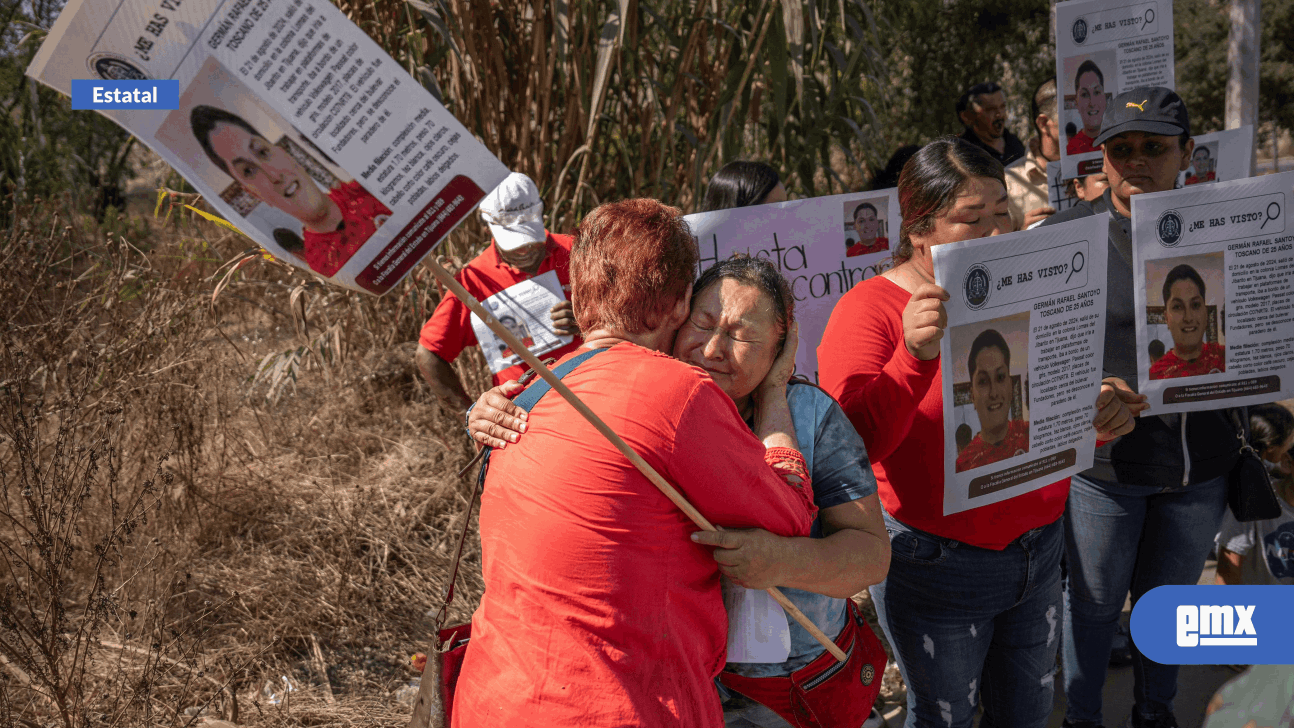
1215	625
129	95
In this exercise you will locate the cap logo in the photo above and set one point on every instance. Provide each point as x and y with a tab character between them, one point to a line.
1139	107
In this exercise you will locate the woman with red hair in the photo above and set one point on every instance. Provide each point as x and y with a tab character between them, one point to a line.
599	609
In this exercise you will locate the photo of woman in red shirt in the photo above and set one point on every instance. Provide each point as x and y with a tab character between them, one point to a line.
1186	315
999	437
336	222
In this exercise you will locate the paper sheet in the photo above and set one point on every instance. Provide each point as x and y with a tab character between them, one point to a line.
1230	341
1021	358
330	155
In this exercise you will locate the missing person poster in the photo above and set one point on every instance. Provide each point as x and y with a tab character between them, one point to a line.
1221	156
824	246
523	309
1103	48
1213	274
292	123
1021	358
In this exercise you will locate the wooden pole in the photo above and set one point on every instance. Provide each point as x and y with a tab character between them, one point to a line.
661	484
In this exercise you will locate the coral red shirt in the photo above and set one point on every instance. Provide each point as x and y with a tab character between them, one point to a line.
598	608
979	453
449	330
1212	359
1080	143
896	402
361	215
879	245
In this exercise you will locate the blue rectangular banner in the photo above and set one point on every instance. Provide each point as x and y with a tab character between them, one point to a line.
100	95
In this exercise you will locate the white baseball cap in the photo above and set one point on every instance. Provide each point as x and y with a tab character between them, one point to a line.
514	212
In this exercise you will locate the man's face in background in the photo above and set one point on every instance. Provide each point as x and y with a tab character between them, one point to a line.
987	114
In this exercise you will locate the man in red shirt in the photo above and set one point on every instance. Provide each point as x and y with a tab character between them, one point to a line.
599	610
522	249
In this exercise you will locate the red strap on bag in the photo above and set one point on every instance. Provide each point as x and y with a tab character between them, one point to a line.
824	693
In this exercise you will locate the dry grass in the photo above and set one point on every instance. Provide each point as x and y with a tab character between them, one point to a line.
171	537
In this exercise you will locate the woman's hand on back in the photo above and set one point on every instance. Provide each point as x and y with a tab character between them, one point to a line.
924	321
495	420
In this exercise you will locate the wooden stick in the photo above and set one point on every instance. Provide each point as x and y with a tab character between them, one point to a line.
321	668
661	484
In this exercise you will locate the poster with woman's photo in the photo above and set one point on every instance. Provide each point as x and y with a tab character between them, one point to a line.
824	245
1105	47
1214	294
292	123
1020	362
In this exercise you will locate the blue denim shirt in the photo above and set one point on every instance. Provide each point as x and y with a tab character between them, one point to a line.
841	473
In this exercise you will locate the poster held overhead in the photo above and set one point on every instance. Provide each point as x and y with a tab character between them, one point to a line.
823	245
1103	48
292	123
1021	361
1213	276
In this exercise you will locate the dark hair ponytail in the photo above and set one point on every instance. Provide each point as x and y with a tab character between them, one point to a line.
739	184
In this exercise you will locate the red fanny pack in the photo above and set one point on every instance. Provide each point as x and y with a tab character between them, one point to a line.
825	693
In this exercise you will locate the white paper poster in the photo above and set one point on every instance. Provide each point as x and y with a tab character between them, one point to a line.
523	309
757	626
292	123
1021	359
1103	48
824	246
1213	273
1220	156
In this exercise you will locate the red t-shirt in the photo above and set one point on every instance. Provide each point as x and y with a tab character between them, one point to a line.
1213	358
878	245
449	330
896	402
979	453
361	214
598	608
1080	143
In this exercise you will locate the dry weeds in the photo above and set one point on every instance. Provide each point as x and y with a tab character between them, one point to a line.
188	492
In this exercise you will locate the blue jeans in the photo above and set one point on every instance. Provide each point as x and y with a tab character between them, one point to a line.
1121	538
968	623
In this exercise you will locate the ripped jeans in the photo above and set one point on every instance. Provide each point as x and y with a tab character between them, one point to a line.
970	624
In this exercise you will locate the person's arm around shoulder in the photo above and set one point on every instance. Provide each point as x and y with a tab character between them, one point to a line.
854	551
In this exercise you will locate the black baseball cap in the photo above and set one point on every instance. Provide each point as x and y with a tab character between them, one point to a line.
1150	109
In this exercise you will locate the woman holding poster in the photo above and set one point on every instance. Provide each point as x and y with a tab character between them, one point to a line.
1184	312
1146	514
972	601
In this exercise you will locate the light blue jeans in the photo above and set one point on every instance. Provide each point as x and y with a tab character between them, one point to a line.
1119	539
970	624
